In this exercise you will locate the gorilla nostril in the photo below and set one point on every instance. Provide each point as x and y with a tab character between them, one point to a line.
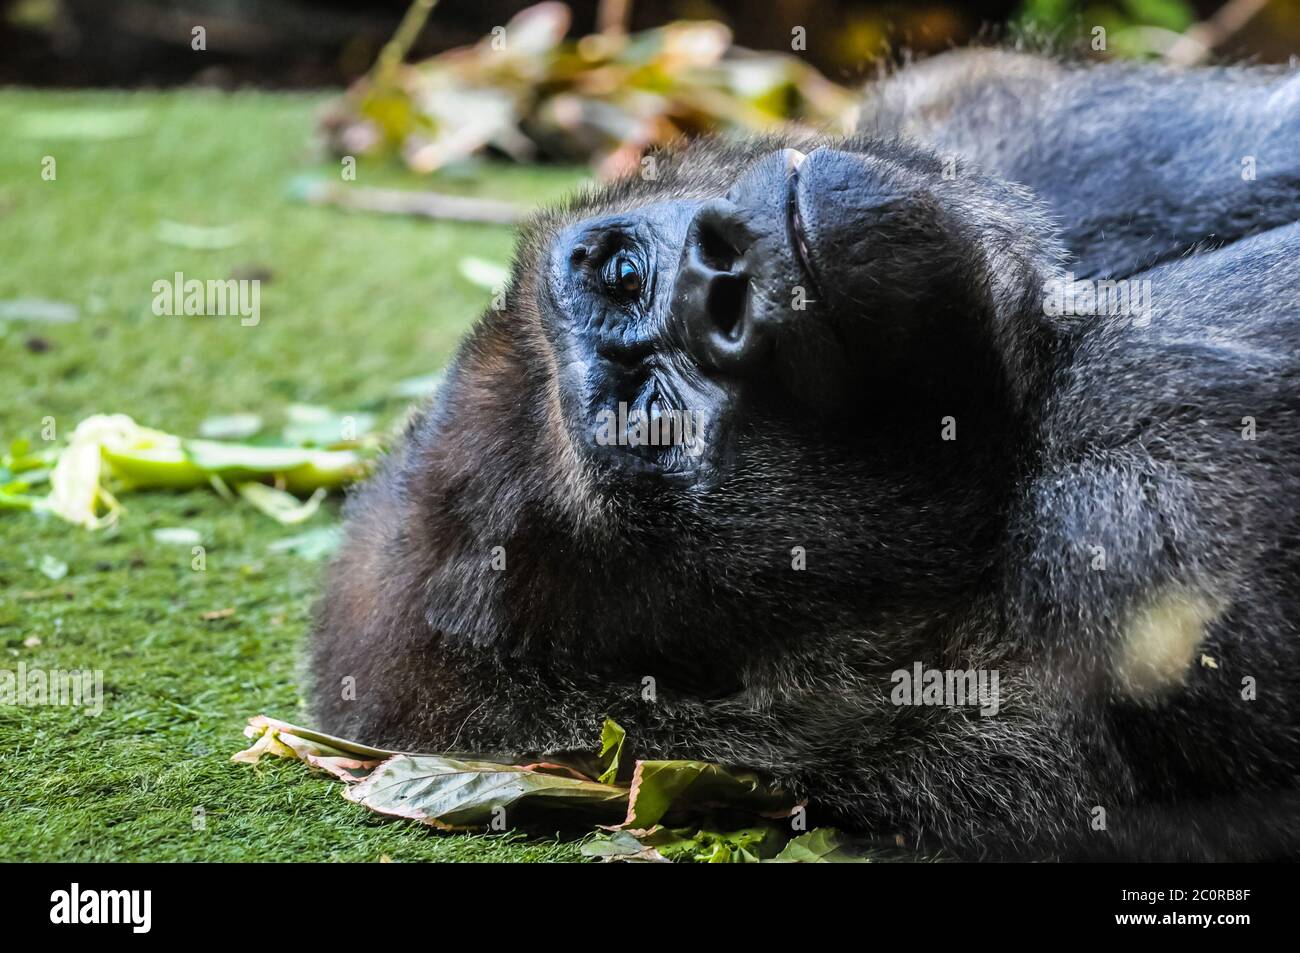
715	250
726	304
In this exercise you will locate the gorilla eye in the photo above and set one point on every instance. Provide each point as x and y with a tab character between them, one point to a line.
623	278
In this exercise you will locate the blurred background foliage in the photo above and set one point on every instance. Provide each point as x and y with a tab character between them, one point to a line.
599	82
594	81
315	43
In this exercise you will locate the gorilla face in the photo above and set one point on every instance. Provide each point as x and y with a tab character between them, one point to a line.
635	400
670	320
706	377
779	298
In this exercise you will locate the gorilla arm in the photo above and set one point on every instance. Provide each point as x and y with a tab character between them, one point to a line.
1139	163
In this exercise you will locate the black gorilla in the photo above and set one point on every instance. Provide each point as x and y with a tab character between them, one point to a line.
898	441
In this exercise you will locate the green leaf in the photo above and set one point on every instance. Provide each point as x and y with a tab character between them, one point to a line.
301	469
53	568
82	124
21	458
456	790
217	457
748	845
38	309
612	737
153	468
309	425
487	275
199	237
449	793
1176	15
177	536
281	506
260	724
113	450
660	787
822	845
314	544
414	387
12	497
621	846
230	427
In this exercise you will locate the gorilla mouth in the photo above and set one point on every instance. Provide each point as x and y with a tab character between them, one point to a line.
652	427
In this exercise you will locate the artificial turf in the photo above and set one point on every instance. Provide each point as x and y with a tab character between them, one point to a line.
354	303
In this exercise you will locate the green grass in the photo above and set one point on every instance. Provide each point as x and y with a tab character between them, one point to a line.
355	303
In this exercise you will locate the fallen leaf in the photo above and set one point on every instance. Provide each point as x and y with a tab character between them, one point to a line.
313	426
301	469
612	737
455	790
216	614
413	387
760	843
661	787
314	544
199	237
230	427
345	760
77	493
113	448
39	310
621	846
53	568
281	506
449	793
485	274
177	536
822	845
748	845
86	124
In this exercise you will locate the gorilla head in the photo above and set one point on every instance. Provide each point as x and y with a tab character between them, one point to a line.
719	409
800	287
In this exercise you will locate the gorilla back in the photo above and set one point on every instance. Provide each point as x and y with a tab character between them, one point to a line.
768	454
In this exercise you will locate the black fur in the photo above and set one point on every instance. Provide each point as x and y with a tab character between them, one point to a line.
978	553
1140	164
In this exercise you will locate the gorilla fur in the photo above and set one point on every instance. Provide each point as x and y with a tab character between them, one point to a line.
1100	533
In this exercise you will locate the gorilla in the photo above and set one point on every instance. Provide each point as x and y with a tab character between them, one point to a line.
1005	388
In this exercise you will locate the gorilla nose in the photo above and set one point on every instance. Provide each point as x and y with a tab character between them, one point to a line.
736	272
712	297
